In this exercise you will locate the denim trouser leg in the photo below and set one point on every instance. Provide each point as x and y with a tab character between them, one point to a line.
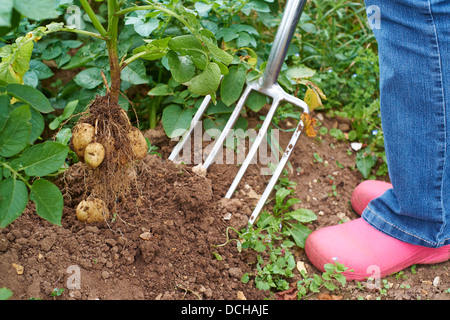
414	53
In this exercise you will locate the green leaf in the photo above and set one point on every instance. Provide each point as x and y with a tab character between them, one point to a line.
16	132
68	111
256	101
160	90
259	247
43	10
218	53
218	108
14	23
232	84
135	73
155	49
340	278
202	7
302	215
4	110
299	233
365	163
37	125
145	28
5	294
89	78
85	55
265	219
281	194
7	74
13	200
52	52
14	66
6	7
55	26
227	34
44	158
181	67
31	96
176	120
48	199
299	72
191	46
206	82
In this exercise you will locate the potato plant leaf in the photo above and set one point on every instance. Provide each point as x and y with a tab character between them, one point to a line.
43	10
89	78
181	67
176	120
206	82
44	158
232	84
13	200
135	73
188	45
16	131
48	199
31	96
155	49
15	61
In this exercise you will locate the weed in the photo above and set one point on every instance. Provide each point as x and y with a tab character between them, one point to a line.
57	292
331	276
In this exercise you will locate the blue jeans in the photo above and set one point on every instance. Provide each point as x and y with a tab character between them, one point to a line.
414	53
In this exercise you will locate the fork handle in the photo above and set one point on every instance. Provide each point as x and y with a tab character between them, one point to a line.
282	41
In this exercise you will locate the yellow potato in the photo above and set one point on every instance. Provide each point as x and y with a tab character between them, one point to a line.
90	211
83	134
94	154
138	143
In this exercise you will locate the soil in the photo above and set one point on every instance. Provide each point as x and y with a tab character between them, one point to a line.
160	243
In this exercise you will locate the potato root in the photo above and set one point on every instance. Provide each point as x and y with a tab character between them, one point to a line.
138	143
91	211
83	134
94	154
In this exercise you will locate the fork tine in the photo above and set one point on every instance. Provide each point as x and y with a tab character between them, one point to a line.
176	150
273	180
251	154
228	126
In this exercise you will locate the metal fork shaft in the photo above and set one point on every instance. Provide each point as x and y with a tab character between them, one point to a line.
282	41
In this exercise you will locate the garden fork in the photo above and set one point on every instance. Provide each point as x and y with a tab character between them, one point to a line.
267	85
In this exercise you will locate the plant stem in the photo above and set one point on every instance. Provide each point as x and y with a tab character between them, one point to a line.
132	58
15	173
153	109
84	32
94	18
111	44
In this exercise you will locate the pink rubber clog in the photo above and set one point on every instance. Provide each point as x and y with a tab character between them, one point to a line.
369	252
366	191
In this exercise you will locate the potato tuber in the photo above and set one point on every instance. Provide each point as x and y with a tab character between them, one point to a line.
94	154
83	134
138	143
91	211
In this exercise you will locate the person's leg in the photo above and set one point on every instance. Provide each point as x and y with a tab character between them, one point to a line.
401	227
414	56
